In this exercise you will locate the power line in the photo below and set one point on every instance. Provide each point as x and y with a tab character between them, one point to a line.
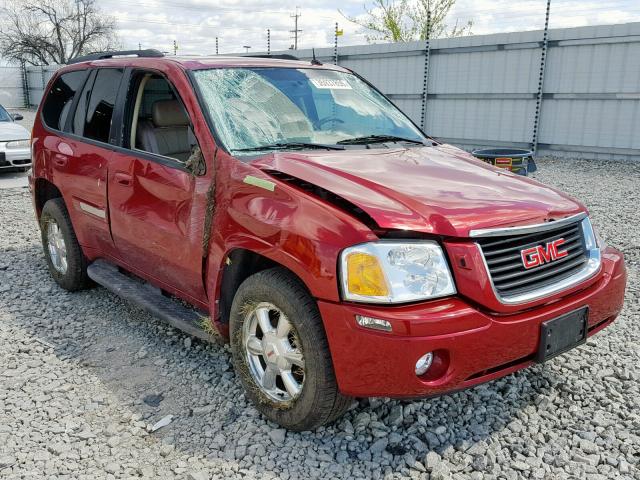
470	16
203	26
191	7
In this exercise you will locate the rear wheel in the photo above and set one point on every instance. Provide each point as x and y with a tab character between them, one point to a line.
67	264
281	354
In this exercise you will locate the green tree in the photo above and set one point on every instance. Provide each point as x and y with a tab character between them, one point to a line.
407	20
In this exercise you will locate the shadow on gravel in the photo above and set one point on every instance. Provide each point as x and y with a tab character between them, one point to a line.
153	370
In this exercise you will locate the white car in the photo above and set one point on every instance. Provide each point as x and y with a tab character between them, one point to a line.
15	144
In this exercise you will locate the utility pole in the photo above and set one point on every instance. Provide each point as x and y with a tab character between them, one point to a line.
216	45
247	47
269	41
139	46
295	30
175	47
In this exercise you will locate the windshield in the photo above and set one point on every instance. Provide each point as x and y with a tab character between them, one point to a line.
261	107
4	115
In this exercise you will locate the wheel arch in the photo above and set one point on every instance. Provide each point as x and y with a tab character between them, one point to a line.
238	265
44	191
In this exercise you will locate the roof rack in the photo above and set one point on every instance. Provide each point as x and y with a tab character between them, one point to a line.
151	52
282	56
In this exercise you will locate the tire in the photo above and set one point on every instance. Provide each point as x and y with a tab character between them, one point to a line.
73	276
319	401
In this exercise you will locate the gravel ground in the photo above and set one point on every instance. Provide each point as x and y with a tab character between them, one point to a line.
82	376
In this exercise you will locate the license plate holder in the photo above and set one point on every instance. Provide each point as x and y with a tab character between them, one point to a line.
562	334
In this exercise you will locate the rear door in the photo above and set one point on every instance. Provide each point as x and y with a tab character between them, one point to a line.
79	158
156	204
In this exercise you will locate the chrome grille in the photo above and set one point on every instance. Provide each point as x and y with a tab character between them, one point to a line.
510	278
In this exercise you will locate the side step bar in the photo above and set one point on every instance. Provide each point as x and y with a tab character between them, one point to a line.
149	298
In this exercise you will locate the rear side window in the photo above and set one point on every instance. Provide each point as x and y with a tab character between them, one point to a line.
99	108
58	102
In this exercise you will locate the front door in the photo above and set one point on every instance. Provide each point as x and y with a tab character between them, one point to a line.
156	204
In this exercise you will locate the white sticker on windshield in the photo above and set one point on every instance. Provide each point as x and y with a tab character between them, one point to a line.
331	83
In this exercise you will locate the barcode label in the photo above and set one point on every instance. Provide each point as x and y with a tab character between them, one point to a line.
331	83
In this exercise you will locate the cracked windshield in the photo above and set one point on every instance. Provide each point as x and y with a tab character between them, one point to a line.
278	108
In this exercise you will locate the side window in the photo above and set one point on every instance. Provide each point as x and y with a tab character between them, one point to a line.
158	122
100	104
59	99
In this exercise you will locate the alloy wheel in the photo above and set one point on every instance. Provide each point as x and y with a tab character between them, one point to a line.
57	247
273	353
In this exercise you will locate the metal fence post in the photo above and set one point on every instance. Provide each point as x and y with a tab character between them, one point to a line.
425	80
25	85
543	61
335	45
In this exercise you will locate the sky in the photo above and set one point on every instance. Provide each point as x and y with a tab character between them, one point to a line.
194	24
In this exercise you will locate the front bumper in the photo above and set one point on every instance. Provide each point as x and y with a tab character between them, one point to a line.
14	157
471	346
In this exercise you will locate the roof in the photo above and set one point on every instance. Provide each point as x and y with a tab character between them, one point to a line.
204	62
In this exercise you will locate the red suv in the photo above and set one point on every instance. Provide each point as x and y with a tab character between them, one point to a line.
291	208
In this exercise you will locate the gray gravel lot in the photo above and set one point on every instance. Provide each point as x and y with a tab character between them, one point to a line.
82	375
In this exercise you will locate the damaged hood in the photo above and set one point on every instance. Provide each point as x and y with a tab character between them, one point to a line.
440	189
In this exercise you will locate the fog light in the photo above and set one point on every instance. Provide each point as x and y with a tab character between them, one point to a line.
374	323
423	363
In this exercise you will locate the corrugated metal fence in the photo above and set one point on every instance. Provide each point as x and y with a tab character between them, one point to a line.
481	90
37	79
11	87
14	79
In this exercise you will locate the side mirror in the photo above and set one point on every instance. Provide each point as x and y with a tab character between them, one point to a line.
17	117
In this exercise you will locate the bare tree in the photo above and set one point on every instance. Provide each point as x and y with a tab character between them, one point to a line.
406	20
45	32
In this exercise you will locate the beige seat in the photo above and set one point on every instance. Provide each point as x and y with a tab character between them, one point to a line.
168	133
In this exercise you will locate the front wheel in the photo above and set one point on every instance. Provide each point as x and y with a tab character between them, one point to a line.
281	354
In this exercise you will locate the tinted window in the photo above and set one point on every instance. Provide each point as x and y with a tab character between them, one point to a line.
77	125
4	115
101	103
58	102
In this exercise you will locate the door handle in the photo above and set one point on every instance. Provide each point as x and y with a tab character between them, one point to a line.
60	160
123	179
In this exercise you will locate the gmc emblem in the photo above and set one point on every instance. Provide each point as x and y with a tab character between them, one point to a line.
536	256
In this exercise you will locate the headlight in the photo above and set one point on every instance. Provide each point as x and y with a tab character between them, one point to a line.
395	272
18	144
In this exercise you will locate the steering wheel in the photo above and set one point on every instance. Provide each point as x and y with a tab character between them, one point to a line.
322	121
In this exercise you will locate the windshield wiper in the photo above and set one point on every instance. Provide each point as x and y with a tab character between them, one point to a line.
377	139
292	145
